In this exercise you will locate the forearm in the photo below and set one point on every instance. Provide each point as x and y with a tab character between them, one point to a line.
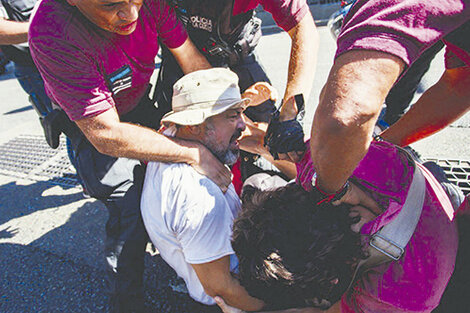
286	167
235	295
252	141
12	32
347	112
438	107
189	58
302	63
137	142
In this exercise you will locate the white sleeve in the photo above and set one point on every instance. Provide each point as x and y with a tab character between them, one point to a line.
205	230
3	12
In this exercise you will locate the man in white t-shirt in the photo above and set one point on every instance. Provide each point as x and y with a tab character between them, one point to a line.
188	218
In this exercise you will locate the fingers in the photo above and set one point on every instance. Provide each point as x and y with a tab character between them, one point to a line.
221	178
284	156
294	156
226	308
221	304
267	90
219	173
366	201
211	167
260	92
365	216
226	179
356	196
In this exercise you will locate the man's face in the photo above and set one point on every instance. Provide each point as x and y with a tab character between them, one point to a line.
116	16
220	135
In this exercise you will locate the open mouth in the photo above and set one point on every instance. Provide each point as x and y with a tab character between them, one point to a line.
234	140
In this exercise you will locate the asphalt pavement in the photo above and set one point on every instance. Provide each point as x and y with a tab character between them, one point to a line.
51	237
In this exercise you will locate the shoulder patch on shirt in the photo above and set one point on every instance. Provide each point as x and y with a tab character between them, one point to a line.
120	79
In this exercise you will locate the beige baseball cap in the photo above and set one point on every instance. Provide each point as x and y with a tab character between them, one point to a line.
202	94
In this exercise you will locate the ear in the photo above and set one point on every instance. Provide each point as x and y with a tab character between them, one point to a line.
195	130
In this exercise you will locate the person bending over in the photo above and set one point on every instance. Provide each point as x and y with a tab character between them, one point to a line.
187	216
297	249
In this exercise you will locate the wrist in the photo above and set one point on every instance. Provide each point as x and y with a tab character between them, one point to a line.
330	196
288	112
191	152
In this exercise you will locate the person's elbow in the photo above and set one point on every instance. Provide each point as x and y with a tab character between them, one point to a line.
106	142
225	288
217	288
104	136
342	121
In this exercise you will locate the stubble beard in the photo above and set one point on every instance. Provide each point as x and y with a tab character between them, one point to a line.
223	154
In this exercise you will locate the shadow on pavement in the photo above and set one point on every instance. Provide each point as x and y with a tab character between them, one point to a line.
20	110
51	256
19	200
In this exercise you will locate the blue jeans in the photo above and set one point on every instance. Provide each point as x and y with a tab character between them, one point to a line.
32	83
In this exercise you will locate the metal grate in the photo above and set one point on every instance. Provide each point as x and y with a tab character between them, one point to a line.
29	156
457	171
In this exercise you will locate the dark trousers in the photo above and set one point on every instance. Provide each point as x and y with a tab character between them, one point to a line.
117	182
249	70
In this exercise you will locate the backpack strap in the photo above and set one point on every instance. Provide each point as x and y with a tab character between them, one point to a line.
389	243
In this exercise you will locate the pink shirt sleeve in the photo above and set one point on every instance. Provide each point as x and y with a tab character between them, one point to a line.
71	77
404	28
76	60
171	31
286	13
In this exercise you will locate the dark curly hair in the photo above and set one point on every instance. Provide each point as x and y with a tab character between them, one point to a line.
293	252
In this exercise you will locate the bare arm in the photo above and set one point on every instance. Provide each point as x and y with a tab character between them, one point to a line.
111	136
12	32
438	107
252	140
349	106
189	58
302	63
216	279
